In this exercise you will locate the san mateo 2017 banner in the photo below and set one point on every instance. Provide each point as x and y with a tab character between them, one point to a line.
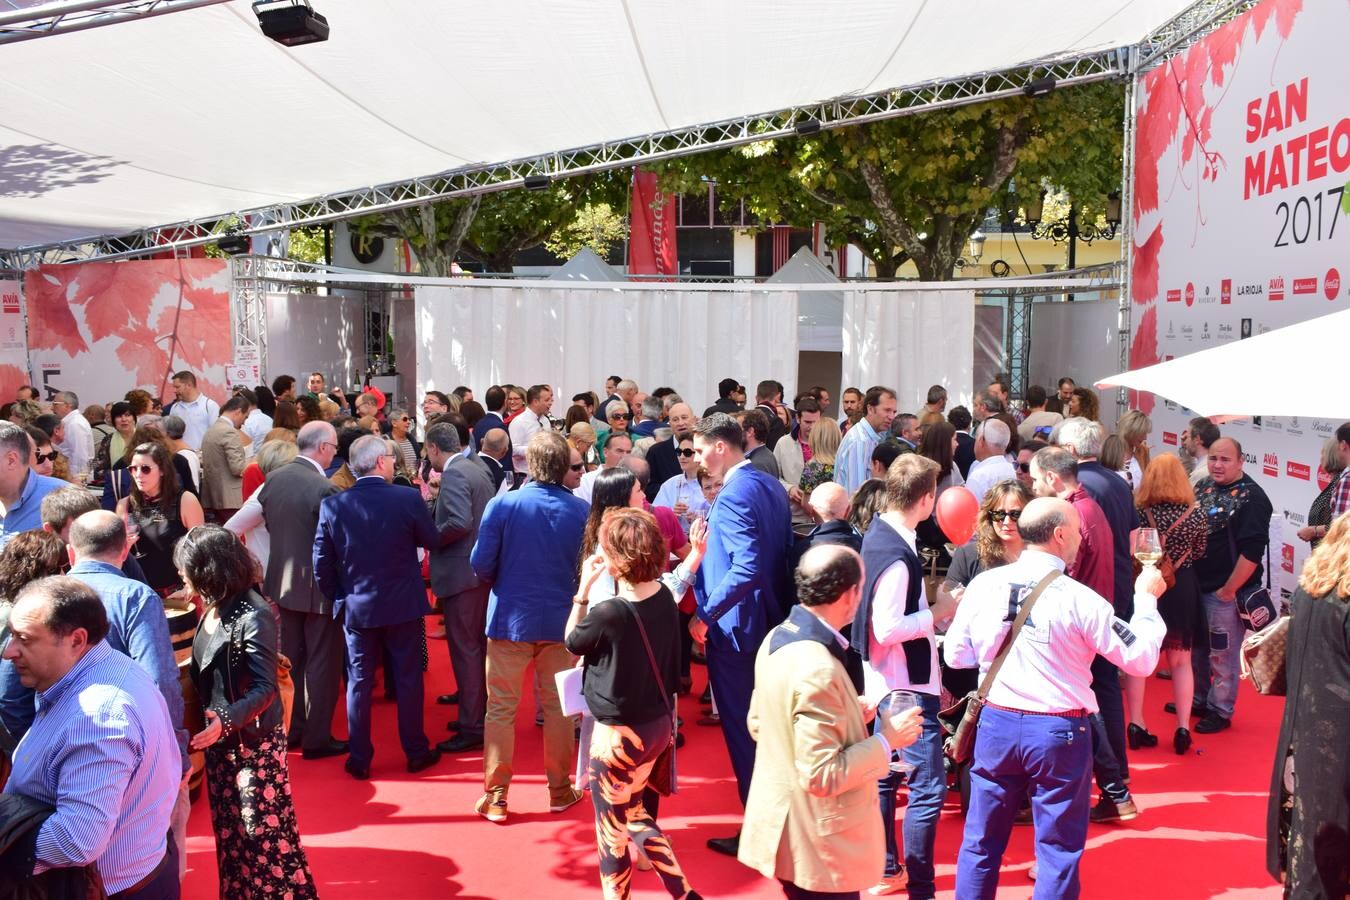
1242	155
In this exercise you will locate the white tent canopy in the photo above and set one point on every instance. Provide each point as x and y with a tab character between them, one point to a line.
820	314
197	114
1234	380
586	265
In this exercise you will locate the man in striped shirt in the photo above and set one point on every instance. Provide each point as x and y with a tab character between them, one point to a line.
853	460
101	750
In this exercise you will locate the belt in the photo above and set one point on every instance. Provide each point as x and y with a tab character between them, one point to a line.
1067	714
130	892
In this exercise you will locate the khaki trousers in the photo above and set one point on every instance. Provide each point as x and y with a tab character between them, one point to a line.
506	665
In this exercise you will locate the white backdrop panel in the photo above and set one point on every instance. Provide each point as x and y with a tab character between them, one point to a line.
1080	340
314	333
573	338
910	340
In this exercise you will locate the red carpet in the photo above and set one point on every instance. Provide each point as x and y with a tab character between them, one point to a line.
1201	832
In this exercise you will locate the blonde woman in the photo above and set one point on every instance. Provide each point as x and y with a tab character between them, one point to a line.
1309	807
1319	514
582	438
824	442
1133	429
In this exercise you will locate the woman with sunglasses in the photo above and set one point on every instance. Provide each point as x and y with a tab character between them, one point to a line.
47	459
682	493
158	513
617	417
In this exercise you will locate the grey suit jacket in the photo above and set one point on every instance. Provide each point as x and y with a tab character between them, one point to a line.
466	488
290	499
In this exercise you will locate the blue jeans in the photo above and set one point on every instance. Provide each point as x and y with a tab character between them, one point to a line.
1225	656
927	790
1051	755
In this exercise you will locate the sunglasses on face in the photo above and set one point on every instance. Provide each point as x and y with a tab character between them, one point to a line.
577	468
143	470
999	515
47	457
1024	467
625	416
686	452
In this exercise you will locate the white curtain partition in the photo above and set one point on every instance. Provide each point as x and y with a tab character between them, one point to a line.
910	340
572	338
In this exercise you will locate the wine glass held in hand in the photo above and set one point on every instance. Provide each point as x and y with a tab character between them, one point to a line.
893	708
1147	549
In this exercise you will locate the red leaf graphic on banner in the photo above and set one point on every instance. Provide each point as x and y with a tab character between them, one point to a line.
1144	352
203	329
1144	271
116	295
11	379
147	360
51	324
1156	128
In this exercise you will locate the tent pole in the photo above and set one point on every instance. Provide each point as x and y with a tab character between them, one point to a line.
1124	327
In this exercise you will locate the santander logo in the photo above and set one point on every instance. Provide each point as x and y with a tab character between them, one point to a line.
1170	438
1331	285
1297	470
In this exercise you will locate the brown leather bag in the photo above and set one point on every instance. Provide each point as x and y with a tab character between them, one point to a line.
962	718
1165	567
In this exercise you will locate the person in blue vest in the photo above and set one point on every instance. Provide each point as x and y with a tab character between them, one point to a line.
742	590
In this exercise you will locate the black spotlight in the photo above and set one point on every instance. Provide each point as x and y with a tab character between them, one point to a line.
806	126
290	22
537	182
1040	87
234	244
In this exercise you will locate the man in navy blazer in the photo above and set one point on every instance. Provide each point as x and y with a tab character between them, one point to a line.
365	560
742	588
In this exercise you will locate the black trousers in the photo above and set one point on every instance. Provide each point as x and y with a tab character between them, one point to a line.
792	892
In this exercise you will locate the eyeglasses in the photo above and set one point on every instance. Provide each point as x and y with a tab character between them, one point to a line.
578	467
999	515
143	470
48	457
686	452
1024	467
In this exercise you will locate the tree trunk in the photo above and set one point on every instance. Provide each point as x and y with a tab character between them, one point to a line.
436	251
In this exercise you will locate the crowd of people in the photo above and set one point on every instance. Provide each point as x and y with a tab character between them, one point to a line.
187	588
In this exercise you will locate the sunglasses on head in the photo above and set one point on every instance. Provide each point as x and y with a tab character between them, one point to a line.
143	469
999	515
686	452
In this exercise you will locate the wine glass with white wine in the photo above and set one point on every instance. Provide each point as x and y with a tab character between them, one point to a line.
1147	548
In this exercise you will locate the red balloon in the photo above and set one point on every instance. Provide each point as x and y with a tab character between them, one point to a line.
957	510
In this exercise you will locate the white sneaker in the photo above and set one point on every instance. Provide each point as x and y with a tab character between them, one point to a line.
890	884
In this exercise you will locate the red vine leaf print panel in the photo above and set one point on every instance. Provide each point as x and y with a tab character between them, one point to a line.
101	329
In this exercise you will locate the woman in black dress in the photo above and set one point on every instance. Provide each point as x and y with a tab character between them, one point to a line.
1308	825
1319	514
1167	503
234	668
157	514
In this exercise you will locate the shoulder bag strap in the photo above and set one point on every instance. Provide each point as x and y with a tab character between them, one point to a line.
988	681
651	658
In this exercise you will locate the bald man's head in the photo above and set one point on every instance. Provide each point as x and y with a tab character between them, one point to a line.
99	535
830	501
495	443
1052	525
828	573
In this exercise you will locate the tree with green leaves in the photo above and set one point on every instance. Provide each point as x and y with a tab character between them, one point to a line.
916	187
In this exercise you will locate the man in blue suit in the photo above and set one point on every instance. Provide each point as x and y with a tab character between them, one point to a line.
365	560
742	587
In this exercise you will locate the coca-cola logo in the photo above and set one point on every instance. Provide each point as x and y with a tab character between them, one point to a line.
1226	291
1297	470
1170	438
1271	465
1190	293
1287	557
1323	478
1331	285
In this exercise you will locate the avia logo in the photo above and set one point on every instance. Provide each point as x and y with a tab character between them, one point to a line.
1331	285
1170	438
1190	293
1271	465
1276	291
1323	478
1174	295
1305	286
1226	291
1297	470
10	303
1287	557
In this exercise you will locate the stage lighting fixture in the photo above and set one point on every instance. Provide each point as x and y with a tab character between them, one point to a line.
537	182
1040	87
234	244
806	126
290	22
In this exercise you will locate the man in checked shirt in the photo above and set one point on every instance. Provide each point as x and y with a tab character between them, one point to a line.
1034	733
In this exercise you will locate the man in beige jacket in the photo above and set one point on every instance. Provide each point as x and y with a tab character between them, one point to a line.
224	457
812	819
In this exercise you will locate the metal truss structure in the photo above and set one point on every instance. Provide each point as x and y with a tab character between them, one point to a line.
50	19
482	179
1184	29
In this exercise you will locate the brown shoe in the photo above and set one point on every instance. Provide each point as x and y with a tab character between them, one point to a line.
490	809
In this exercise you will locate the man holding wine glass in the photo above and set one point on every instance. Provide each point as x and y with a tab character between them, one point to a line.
893	635
1034	733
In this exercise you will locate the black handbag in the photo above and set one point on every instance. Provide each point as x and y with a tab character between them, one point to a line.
961	719
1256	608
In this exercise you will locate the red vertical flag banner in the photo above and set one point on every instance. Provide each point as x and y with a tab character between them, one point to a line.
651	238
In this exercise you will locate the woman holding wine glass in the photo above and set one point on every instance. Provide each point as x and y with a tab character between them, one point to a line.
1171	525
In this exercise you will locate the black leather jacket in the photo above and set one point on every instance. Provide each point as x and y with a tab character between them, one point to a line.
235	668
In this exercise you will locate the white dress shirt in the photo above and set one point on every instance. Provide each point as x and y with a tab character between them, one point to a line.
678	486
886	669
256	427
78	446
521	429
197	417
986	473
586	487
1048	668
